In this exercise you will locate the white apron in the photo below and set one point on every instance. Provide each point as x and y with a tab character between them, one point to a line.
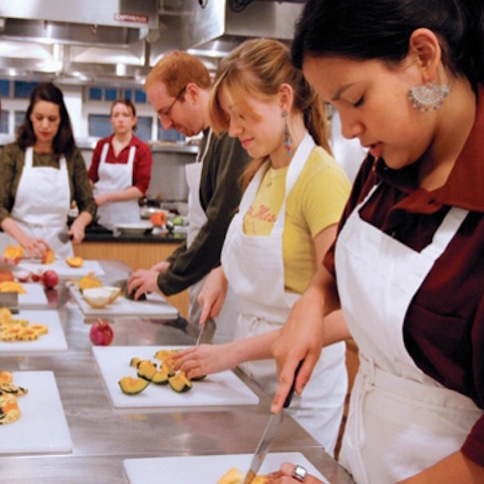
42	204
225	321
401	421
114	177
254	267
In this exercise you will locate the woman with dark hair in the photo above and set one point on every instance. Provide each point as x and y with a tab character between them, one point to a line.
120	169
42	173
407	266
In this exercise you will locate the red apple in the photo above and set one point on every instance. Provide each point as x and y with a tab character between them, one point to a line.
101	333
50	279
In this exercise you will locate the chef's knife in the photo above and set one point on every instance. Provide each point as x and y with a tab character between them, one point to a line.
268	435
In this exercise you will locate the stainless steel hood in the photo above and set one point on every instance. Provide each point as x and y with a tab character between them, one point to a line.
212	28
117	41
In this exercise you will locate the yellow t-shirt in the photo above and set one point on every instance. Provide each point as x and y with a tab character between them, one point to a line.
315	202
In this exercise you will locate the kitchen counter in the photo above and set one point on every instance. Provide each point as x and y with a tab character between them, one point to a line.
104	235
103	436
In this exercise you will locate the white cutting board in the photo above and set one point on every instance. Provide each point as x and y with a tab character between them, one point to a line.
51	342
64	271
35	295
206	469
42	427
223	388
155	306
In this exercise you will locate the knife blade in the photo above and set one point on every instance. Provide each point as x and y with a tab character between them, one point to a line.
207	331
268	435
64	237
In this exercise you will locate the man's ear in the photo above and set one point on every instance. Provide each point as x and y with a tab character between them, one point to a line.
192	92
424	47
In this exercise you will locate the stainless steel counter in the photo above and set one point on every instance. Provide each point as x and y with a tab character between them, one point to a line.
103	436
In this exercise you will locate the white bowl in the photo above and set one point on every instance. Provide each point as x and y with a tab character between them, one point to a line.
135	228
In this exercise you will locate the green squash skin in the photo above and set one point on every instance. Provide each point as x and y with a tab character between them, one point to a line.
133	388
198	378
180	383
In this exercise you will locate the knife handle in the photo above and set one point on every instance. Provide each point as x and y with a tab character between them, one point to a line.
293	386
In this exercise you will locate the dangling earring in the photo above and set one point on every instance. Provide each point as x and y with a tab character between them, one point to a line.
428	97
287	135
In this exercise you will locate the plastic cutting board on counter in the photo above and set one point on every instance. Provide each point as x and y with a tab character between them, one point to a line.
42	427
155	306
206	469
52	342
34	296
220	389
64	271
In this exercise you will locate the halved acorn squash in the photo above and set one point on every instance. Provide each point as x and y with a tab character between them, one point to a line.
132	386
180	383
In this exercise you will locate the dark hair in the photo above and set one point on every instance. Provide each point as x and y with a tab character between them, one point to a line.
64	142
369	29
129	104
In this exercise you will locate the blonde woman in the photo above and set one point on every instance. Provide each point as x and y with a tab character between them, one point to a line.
294	195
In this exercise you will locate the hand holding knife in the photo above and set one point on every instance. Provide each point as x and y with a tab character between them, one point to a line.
269	434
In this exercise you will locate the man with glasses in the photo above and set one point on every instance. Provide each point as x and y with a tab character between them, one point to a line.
178	87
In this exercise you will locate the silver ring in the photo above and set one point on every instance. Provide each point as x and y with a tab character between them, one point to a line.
299	473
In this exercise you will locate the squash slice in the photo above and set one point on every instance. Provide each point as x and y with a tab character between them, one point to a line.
132	386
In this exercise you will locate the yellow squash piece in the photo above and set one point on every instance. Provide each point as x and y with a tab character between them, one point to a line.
48	257
6	377
88	282
14	253
5	316
9	286
75	261
235	476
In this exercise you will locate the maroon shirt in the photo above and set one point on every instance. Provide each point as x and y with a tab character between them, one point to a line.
444	325
141	164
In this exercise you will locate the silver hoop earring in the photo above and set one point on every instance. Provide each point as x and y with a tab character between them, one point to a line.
428	97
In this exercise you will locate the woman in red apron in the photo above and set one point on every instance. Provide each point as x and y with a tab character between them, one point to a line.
120	169
408	263
42	173
287	219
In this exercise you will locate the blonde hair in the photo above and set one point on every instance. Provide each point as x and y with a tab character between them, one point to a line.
177	69
259	67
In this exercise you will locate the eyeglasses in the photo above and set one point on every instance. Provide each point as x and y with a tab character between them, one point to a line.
166	113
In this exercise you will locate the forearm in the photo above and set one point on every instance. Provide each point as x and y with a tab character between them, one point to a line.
131	193
453	468
82	221
11	227
255	347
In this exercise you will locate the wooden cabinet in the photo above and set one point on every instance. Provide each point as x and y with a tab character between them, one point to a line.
136	256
